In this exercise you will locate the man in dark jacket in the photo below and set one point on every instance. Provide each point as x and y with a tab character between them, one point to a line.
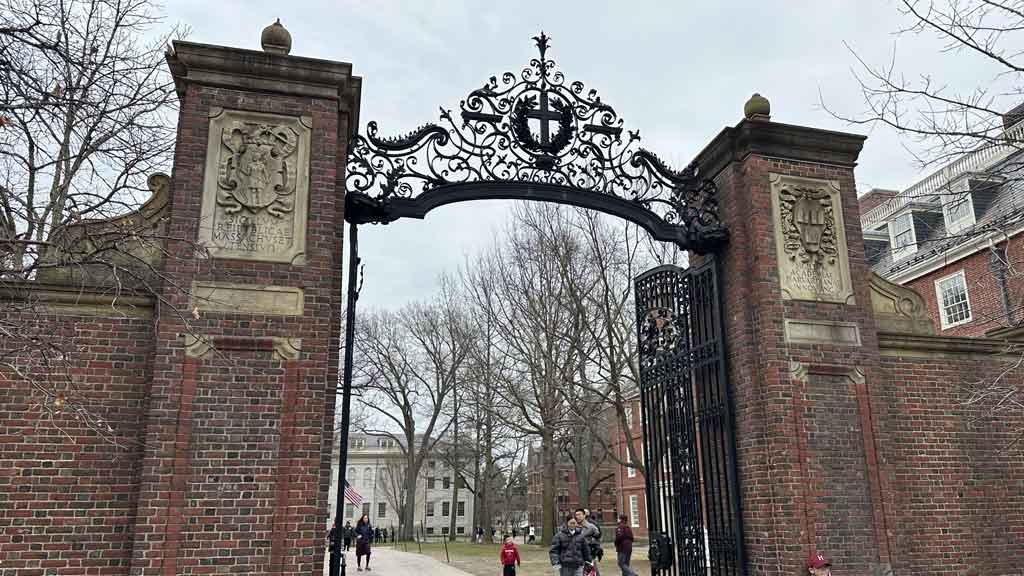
624	545
569	550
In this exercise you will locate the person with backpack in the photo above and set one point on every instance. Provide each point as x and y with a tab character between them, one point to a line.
569	551
591	532
346	536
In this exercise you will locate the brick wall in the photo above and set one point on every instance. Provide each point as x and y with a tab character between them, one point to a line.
67	498
631	486
983	290
955	484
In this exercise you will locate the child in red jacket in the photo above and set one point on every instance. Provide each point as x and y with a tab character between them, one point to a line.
509	557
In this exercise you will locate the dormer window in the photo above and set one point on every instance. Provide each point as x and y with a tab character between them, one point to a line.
958	211
901	236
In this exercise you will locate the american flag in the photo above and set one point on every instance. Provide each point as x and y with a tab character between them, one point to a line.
351	495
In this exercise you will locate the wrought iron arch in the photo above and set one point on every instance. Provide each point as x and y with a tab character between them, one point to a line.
581	156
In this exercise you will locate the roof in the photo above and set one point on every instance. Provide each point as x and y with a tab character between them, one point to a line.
1001	208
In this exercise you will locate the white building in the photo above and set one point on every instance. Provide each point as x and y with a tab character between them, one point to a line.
375	470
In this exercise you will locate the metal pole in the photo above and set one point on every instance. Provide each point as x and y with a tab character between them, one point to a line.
337	567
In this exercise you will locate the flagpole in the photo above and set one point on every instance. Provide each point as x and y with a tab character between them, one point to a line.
337	568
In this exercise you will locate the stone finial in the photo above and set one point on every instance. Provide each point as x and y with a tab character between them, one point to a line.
757	108
276	38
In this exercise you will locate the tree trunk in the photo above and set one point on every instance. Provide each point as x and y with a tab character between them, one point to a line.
409	515
549	505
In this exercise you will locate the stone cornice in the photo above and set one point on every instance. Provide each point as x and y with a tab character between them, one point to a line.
258	71
898	344
79	300
776	140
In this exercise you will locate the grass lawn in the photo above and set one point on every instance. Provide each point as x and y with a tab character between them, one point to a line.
482	559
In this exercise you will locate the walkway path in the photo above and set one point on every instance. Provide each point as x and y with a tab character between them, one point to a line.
389	562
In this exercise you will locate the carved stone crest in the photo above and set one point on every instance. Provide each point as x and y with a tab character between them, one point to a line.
810	239
256	188
259	172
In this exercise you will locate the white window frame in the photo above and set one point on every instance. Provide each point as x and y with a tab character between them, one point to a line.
953	199
908	249
634	511
942	305
630	472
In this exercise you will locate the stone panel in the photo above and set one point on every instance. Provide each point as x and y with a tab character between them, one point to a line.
822	332
256	186
810	238
210	296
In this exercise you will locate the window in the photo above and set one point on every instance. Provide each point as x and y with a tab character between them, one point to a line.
954	304
385	442
460	530
366	509
901	236
350	510
446	483
430	508
629	415
358	443
444	530
446	508
430	482
630	472
462	482
382	509
634	511
351	476
368	477
958	211
460	509
430	530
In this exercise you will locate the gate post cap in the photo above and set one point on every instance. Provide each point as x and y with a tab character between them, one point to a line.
757	108
276	38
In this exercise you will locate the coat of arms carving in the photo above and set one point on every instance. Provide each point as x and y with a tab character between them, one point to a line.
810	239
259	172
808	224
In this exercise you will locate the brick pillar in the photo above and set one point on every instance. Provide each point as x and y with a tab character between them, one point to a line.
802	346
238	430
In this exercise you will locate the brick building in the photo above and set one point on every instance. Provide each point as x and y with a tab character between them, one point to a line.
955	238
631	499
603	491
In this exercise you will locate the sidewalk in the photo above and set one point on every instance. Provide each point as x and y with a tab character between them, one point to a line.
389	562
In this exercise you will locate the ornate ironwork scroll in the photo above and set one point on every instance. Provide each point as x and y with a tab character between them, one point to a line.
538	136
692	489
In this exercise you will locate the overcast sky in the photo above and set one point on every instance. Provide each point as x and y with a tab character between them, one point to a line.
677	71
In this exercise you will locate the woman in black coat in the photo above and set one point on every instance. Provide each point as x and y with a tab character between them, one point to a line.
363	532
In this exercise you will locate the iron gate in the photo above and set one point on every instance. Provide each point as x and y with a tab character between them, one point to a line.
693	513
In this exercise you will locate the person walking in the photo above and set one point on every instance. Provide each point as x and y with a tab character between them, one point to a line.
364	533
624	545
591	532
569	551
509	557
533	534
346	536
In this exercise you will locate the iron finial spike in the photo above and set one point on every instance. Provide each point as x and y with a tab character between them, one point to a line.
542	43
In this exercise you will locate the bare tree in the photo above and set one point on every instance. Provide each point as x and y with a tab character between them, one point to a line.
86	120
977	125
409	364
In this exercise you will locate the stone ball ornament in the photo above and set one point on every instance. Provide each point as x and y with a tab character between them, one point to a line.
276	38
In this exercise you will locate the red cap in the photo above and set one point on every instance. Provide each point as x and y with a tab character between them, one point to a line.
817	560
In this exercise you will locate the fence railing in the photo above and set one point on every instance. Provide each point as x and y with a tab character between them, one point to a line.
980	159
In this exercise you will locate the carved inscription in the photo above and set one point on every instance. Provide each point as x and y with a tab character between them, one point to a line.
811	243
256	188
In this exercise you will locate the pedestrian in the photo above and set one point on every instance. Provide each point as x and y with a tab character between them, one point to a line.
346	536
533	534
818	565
330	536
591	532
376	535
569	551
364	533
515	533
624	545
509	557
